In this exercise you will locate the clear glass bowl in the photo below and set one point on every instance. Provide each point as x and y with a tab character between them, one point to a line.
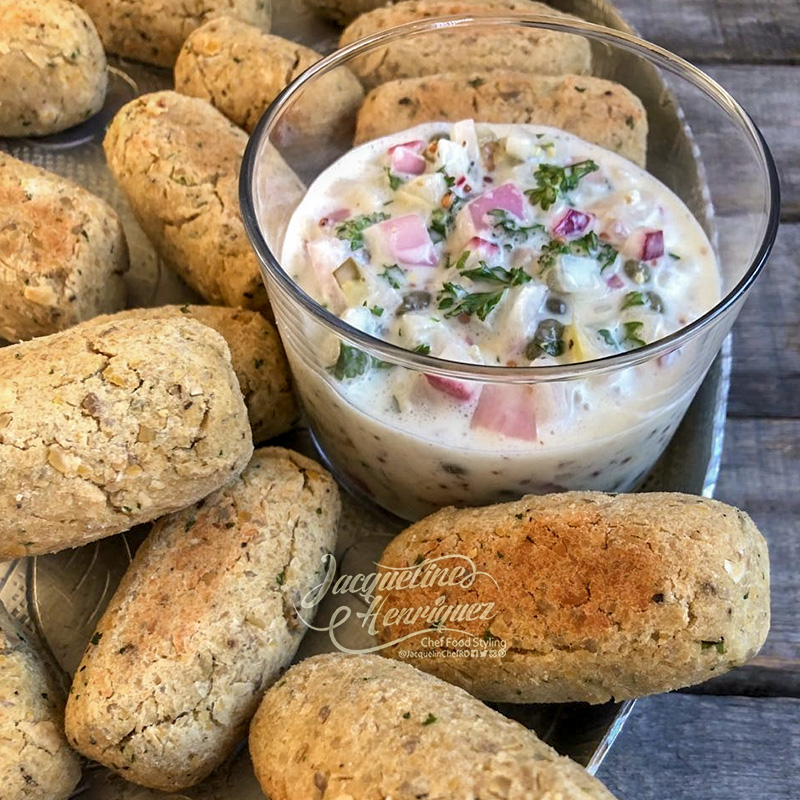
701	144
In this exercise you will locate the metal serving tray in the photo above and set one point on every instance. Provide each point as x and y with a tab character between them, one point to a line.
60	597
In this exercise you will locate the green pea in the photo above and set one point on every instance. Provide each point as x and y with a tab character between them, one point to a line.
549	339
637	272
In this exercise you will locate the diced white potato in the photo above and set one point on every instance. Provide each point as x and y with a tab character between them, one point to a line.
426	191
577	274
465	135
453	158
517	314
525	146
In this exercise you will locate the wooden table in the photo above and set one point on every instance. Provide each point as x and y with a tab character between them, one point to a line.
739	736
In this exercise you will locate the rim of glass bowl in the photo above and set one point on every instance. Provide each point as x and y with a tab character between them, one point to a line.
494	373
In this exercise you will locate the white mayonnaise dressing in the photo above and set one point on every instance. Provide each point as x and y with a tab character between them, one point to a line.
515	245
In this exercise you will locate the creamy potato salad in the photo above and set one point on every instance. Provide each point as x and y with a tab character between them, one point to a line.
506	245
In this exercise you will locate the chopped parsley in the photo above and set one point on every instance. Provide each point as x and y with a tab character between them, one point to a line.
607	337
631	337
720	646
430	719
423	349
647	299
393	275
508	224
513	277
377	311
280	578
588	246
461	263
551	181
628	336
441	220
352	230
455	300
448	179
352	363
395	181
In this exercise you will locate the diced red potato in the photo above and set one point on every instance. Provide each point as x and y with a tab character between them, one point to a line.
460	390
406	158
507	409
572	224
416	146
403	240
506	197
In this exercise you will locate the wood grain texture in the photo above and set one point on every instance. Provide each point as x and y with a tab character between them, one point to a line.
766	337
729	746
771	95
764	676
678	747
720	30
761	474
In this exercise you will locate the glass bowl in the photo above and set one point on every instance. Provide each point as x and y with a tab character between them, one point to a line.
701	144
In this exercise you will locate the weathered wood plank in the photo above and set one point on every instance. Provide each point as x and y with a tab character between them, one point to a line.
771	95
766	342
682	746
764	676
761	474
720	30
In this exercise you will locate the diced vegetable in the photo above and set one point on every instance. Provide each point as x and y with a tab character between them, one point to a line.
506	409
414	301
637	272
326	255
555	305
572	223
482	246
353	229
506	197
415	146
548	339
464	134
653	246
574	274
347	271
457	389
404	240
644	244
406	158
424	190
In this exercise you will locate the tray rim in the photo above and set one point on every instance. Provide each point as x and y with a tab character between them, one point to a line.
722	364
